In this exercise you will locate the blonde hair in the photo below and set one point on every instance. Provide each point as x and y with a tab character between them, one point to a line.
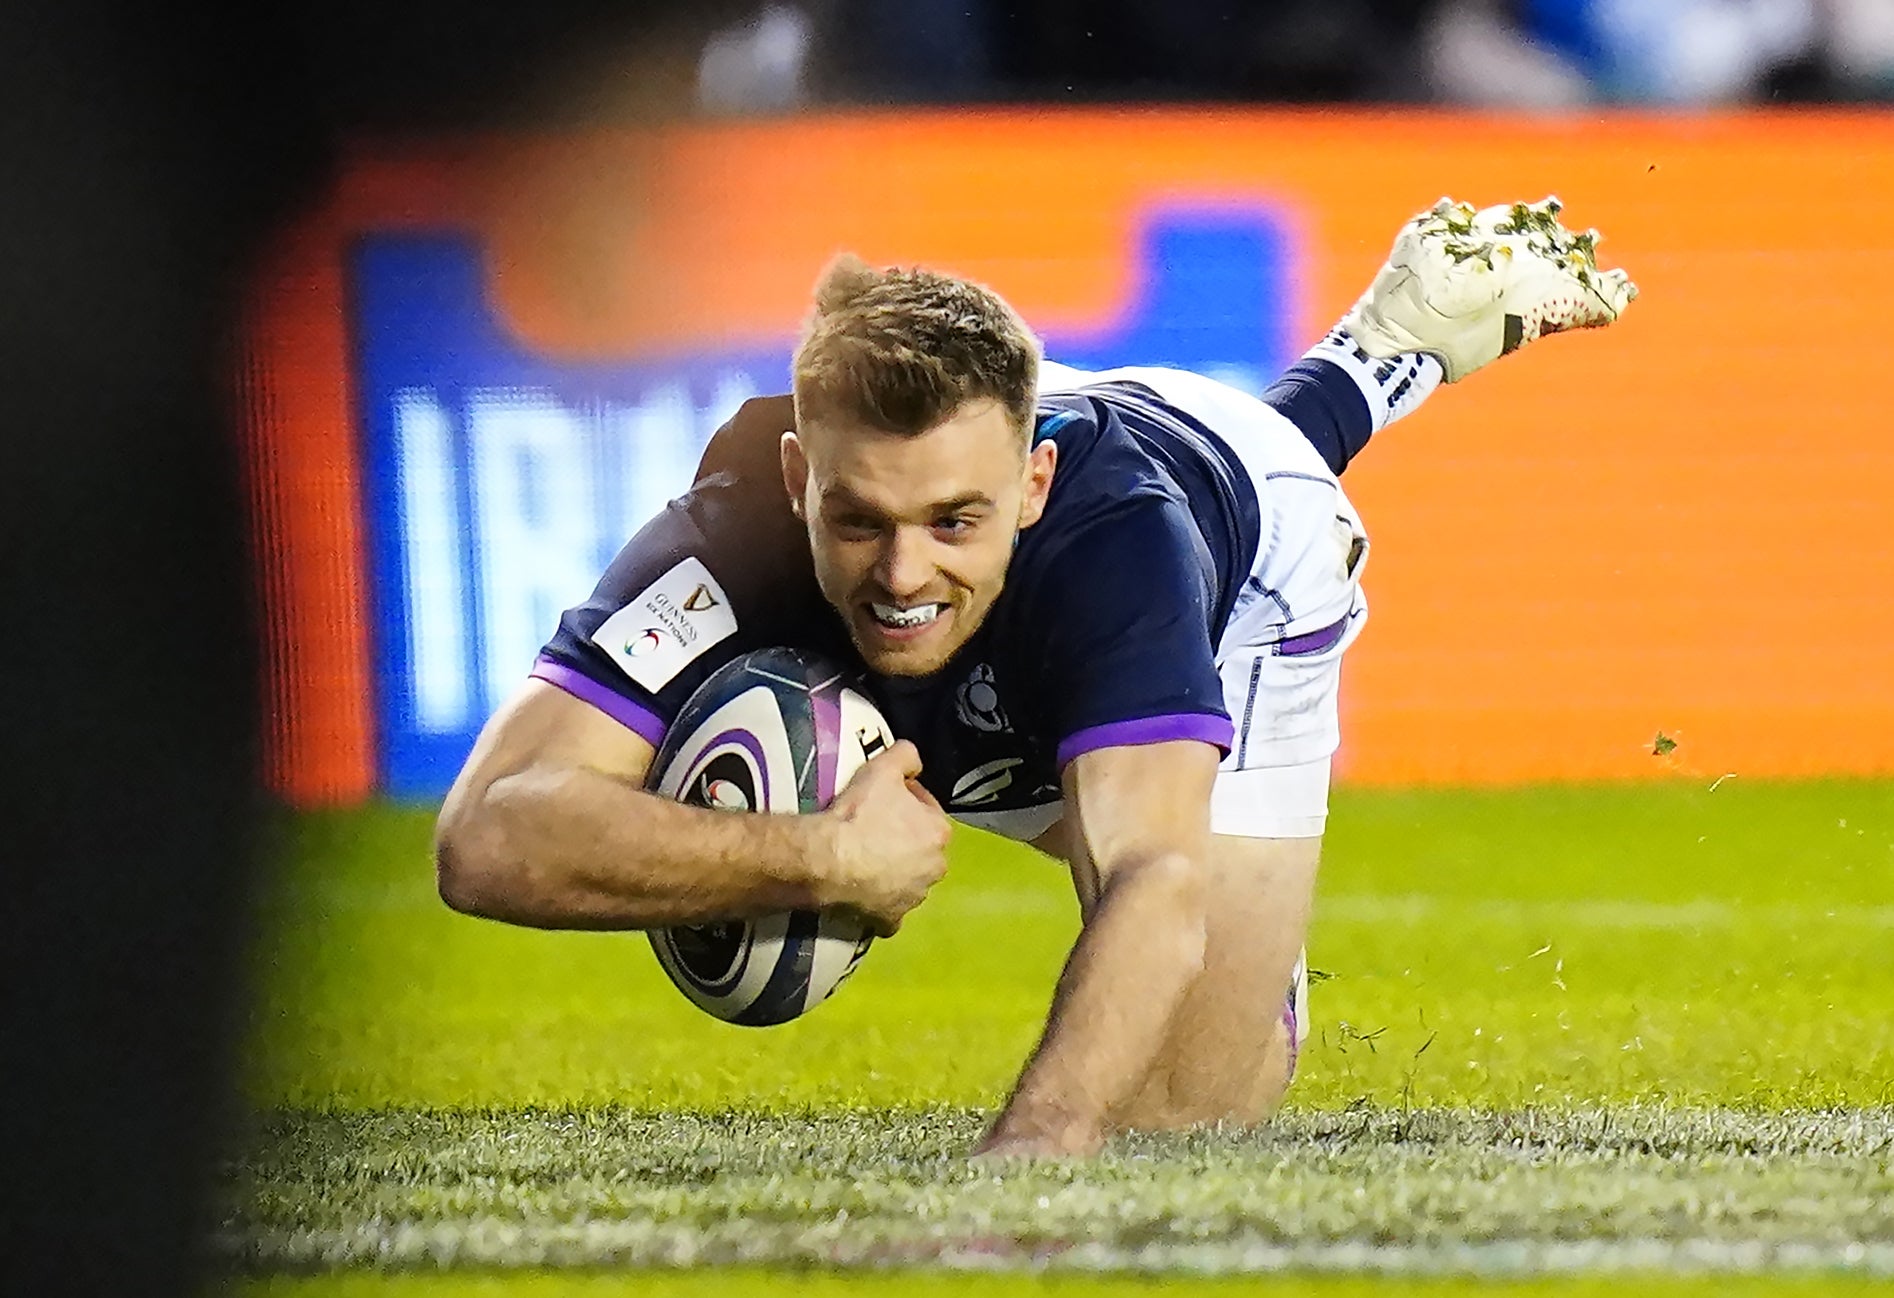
901	349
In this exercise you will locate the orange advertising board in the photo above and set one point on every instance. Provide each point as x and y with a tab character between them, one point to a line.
1677	525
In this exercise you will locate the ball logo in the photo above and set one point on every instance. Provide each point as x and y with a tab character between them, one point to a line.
725	784
725	795
650	640
700	599
713	953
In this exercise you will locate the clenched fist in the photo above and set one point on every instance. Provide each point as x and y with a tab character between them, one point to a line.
888	839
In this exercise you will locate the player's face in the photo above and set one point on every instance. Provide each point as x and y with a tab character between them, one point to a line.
912	535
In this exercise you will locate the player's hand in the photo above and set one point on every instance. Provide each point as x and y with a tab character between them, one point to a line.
888	837
1470	286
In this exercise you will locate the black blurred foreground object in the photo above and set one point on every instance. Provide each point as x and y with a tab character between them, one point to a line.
146	152
128	736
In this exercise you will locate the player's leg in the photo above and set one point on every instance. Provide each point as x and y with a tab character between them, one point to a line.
1231	1051
1230	1056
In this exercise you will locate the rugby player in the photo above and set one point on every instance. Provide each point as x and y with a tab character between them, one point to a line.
1106	613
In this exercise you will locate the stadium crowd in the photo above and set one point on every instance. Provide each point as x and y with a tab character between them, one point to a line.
1521	54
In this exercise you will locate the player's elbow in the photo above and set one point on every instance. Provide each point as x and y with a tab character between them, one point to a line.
457	874
474	871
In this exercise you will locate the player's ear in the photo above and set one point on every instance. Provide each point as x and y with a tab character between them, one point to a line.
1040	463
795	472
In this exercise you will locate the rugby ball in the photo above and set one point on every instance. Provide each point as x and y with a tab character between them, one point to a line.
778	731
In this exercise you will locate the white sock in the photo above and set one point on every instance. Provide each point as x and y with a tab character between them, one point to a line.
1393	388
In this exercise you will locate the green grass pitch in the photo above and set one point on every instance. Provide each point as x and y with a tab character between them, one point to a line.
1566	1041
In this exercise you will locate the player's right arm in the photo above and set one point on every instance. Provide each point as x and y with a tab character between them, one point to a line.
549	825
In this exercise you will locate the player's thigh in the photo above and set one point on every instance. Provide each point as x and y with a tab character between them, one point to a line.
1261	894
1230	1052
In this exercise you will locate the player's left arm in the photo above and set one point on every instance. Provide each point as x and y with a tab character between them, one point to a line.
1137	829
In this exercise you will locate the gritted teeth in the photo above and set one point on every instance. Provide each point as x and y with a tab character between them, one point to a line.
895	616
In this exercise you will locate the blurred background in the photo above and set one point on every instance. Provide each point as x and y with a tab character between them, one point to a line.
1524	54
497	337
354	341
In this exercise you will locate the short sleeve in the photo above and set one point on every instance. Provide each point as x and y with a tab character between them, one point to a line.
650	629
722	570
1127	607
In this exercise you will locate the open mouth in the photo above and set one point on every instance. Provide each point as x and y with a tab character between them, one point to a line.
912	617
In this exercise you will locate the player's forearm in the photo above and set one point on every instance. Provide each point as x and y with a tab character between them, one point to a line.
575	848
1137	957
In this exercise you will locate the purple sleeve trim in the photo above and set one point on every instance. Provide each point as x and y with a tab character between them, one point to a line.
633	716
1149	730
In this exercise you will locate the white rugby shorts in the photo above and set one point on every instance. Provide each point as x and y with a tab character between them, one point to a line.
1280	655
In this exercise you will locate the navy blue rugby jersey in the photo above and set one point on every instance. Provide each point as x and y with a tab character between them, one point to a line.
1103	635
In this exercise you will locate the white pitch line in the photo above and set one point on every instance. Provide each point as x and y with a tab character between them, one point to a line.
1418	907
514	1245
1485	1257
